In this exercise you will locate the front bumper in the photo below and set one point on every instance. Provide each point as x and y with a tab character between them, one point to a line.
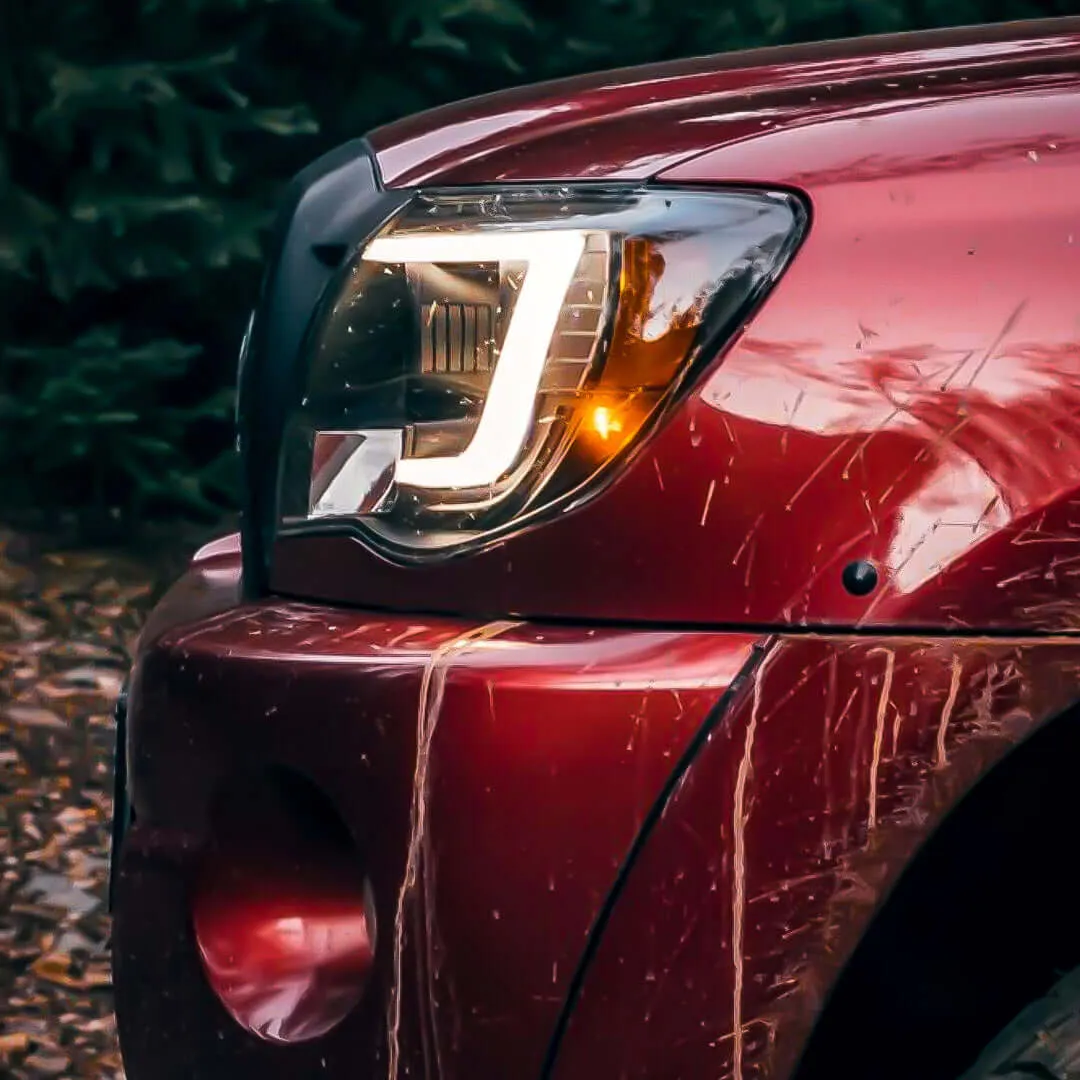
590	851
504	769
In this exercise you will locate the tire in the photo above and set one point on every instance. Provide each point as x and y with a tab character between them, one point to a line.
1042	1042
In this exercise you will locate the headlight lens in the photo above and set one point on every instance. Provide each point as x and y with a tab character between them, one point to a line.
487	354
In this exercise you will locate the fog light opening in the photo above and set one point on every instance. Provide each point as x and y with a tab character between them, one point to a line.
284	914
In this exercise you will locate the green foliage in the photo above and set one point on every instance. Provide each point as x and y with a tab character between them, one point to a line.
142	146
83	406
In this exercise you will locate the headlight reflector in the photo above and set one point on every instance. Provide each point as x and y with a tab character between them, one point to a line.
487	354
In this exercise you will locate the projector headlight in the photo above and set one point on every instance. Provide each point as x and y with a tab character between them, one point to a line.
488	355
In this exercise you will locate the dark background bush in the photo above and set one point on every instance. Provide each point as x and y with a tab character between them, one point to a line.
143	144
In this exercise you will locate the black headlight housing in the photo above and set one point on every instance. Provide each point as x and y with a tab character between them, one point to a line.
431	370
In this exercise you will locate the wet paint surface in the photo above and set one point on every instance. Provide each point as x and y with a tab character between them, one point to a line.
492	776
832	768
909	394
281	911
633	124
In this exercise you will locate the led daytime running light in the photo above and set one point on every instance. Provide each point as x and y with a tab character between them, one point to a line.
551	258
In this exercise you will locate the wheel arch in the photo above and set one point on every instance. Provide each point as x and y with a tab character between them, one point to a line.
980	923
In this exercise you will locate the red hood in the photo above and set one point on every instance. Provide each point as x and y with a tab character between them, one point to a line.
635	123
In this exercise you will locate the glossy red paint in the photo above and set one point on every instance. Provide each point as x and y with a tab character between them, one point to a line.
511	767
908	394
282	912
289	968
703	820
634	123
827	775
492	779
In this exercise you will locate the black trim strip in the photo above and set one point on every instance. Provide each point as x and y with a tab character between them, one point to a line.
121	813
329	208
596	932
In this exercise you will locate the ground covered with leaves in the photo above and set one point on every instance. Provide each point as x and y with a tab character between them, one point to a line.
68	622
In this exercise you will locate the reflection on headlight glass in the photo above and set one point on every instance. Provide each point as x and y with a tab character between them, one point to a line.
486	354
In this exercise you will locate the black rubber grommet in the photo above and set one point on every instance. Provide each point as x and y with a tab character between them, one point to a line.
860	577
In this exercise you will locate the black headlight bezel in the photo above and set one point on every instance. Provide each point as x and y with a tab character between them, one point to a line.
333	208
329	208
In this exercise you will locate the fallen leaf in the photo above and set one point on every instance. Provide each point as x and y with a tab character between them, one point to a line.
16	1042
32	716
103	680
56	890
68	623
26	626
46	1064
61	970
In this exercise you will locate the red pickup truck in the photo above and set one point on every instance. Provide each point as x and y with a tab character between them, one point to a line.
651	648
